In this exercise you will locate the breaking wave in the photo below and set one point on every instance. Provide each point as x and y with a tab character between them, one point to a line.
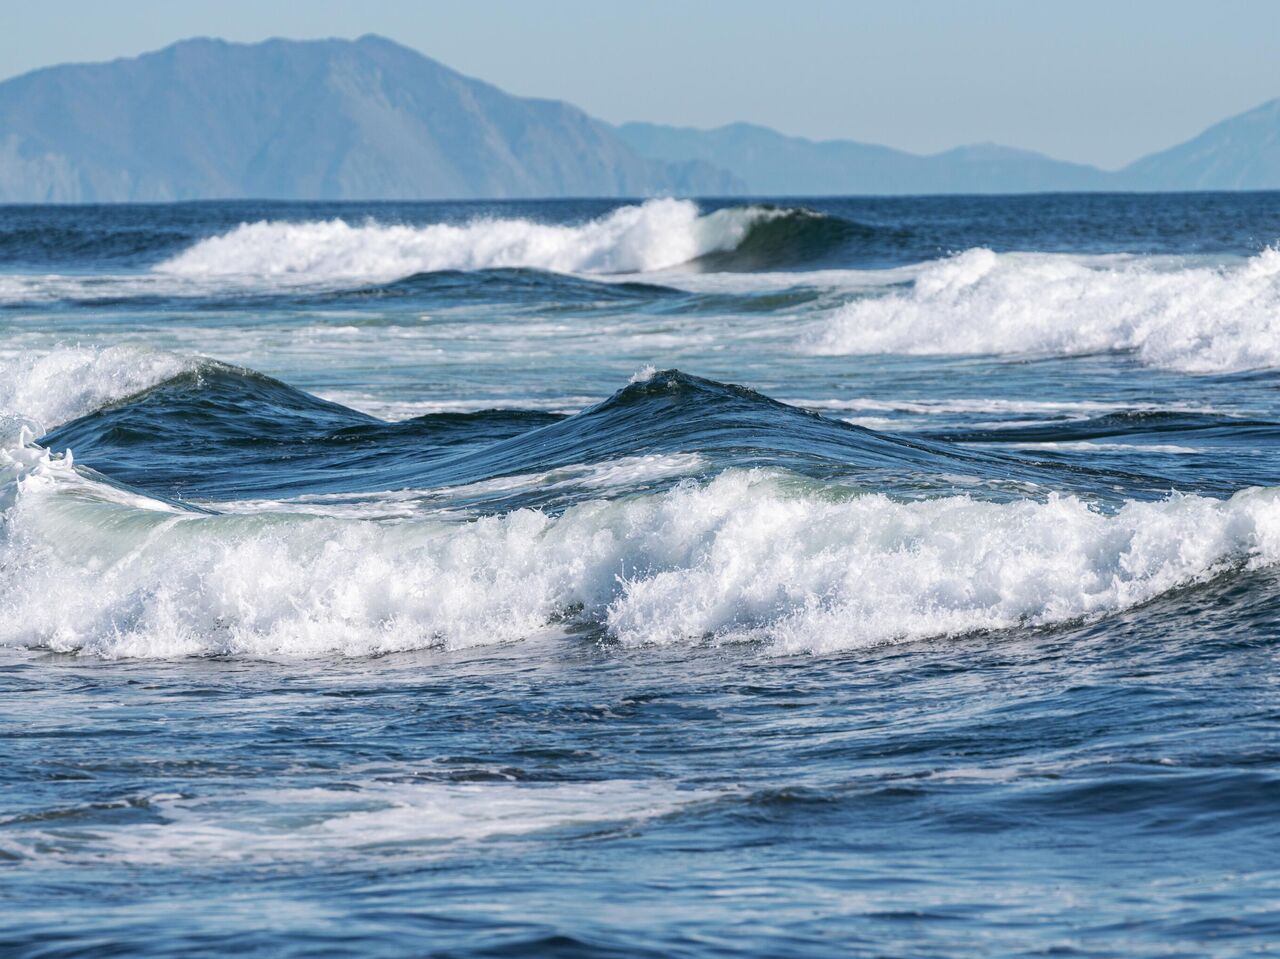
45	389
656	235
678	511
1193	319
748	555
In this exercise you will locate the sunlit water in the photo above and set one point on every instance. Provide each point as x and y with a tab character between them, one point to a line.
872	577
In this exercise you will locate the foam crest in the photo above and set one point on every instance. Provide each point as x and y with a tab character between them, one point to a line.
632	239
50	388
1194	319
749	555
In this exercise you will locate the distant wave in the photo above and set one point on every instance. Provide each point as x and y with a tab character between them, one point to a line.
790	238
516	284
656	235
1194	319
83	240
158	290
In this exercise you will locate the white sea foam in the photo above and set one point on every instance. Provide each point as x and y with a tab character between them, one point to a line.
658	234
1195	318
24	464
1087	445
379	818
644	374
49	288
51	387
748	555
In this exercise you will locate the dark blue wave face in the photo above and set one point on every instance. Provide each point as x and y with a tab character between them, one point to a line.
781	584
219	433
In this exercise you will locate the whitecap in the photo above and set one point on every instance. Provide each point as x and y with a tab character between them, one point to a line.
658	234
1198	319
750	555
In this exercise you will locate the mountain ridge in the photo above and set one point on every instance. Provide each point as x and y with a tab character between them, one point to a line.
771	162
319	119
1241	152
370	119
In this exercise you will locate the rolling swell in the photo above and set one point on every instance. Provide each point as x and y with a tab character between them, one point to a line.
218	432
285	263
1129	424
43	240
1211	452
225	432
677	510
520	285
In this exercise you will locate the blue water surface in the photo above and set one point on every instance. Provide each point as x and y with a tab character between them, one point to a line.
885	577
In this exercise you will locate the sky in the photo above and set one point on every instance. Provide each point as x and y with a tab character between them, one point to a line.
1090	81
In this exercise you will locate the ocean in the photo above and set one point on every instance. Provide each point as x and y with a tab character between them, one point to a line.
822	577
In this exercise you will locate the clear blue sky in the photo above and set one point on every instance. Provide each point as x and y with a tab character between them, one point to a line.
1099	82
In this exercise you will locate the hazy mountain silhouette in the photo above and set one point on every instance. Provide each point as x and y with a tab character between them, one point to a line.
363	119
370	119
1240	153
774	164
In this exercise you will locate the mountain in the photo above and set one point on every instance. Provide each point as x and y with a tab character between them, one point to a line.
1241	153
370	119
327	119
777	165
991	168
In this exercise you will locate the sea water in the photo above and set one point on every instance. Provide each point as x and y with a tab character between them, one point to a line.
803	577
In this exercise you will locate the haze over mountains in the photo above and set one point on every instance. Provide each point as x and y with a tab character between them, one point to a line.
370	119
331	119
774	164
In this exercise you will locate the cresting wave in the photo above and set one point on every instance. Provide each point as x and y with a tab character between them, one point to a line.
631	239
751	554
45	389
679	510
1193	319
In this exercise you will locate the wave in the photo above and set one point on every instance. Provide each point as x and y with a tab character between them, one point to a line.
678	510
45	389
76	241
656	235
409	811
1192	319
791	238
216	432
1201	427
220	431
521	285
755	555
